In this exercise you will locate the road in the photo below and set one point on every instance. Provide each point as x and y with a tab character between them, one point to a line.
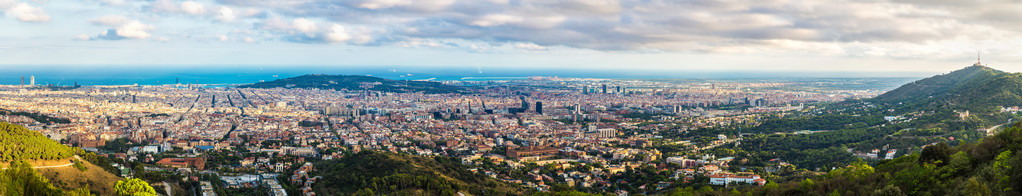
991	129
166	187
54	166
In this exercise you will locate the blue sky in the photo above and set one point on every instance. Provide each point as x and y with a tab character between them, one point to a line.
878	35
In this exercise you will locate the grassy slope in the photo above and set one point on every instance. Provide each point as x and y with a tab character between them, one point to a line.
68	178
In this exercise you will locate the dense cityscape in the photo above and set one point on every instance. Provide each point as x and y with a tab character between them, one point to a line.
510	98
559	131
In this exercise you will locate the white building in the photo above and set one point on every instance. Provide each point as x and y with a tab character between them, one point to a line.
725	179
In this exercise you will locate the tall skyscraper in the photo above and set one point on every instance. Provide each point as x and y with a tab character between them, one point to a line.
23	80
618	89
539	107
32	80
604	88
585	89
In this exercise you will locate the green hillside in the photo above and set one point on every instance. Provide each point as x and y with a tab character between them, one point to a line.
940	85
992	166
19	143
21	148
976	88
372	172
354	83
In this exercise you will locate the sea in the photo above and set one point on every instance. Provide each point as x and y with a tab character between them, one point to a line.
67	75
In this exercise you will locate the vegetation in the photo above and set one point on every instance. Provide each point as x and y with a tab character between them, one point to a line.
20	179
819	122
119	145
353	83
18	143
384	173
992	166
134	187
42	118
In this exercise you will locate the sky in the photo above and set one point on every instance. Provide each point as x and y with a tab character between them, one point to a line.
702	35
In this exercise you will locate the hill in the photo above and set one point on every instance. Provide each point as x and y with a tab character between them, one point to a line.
992	166
390	173
972	88
45	167
940	85
98	180
354	83
19	143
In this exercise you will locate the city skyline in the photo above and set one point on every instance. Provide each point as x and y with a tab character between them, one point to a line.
882	36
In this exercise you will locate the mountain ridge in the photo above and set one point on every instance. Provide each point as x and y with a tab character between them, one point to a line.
356	82
973	87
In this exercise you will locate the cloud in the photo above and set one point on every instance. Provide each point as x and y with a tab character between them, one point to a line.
304	25
23	11
121	28
226	14
193	8
842	27
111	20
303	30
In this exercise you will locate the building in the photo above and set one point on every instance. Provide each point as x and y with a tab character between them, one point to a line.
725	179
32	80
604	88
539	107
602	133
190	162
541	151
585	89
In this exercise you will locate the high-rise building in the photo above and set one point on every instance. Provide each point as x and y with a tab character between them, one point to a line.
618	89
539	107
585	89
604	88
32	80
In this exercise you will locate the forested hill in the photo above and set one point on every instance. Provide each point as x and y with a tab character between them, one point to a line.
992	166
20	146
384	173
974	87
354	83
19	143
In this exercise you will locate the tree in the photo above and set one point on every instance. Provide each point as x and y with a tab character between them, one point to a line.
134	187
889	190
938	154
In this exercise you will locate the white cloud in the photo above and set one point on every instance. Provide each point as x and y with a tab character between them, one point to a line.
121	28
382	4
530	47
25	12
337	33
113	2
304	25
226	14
111	20
496	19
134	30
193	8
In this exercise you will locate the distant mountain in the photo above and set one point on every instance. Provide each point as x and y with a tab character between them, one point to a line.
355	83
376	173
971	87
